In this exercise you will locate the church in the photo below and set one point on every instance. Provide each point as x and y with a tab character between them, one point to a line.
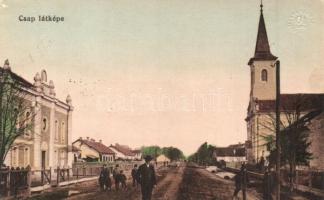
48	143
261	108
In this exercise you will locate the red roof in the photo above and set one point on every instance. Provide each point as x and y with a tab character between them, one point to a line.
123	149
303	102
101	148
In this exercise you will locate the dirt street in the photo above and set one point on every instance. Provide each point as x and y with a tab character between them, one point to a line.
178	183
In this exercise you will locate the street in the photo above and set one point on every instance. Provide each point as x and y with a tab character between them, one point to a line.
178	183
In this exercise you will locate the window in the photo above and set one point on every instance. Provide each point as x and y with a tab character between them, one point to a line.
264	75
44	124
63	132
26	157
14	157
44	76
56	130
27	124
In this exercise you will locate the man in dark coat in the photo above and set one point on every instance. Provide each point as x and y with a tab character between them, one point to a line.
146	177
134	174
115	176
104	178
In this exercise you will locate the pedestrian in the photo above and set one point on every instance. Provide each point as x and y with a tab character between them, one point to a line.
241	180
104	178
122	179
115	176
146	177
134	172
268	184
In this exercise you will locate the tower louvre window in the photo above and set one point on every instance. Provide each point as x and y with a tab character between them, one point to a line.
264	75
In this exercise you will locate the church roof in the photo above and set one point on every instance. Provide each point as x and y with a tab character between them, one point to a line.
262	47
303	102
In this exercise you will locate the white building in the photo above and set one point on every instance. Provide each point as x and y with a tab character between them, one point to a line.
49	142
261	108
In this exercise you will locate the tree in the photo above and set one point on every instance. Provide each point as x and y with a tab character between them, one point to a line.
294	136
154	151
15	114
204	155
173	153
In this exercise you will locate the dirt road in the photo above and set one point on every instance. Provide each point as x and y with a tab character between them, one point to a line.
178	183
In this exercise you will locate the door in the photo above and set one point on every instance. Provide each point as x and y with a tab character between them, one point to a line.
43	159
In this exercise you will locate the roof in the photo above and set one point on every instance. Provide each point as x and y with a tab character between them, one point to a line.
136	151
99	147
20	79
75	149
303	102
229	152
123	149
262	47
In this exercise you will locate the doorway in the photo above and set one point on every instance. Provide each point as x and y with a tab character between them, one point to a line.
43	159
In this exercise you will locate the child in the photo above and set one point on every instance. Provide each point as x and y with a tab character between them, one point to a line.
122	179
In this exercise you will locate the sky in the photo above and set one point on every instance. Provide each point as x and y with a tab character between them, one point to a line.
161	72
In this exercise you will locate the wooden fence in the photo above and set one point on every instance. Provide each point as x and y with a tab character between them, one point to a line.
15	181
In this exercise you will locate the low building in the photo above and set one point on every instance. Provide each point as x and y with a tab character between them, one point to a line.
163	159
48	143
90	150
123	152
138	154
232	153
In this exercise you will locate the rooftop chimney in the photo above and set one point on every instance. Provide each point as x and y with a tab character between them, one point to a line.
100	141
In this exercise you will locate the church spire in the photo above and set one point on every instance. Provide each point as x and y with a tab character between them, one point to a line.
262	47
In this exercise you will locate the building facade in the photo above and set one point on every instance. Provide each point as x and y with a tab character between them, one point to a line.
261	109
123	152
48	144
90	150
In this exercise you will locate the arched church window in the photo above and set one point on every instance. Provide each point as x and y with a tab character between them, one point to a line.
264	75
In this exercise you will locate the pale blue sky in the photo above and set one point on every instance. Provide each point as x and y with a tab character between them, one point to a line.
134	68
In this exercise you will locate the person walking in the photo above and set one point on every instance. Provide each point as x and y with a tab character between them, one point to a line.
241	180
134	172
115	176
104	178
122	179
146	177
269	184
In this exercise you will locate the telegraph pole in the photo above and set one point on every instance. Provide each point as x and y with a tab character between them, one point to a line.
278	147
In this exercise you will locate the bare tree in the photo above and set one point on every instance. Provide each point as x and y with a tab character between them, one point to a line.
295	114
16	116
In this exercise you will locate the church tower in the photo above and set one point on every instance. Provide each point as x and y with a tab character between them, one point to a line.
262	66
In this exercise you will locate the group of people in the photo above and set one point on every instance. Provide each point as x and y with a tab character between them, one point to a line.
144	175
118	176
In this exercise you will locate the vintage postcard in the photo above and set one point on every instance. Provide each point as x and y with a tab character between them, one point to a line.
162	99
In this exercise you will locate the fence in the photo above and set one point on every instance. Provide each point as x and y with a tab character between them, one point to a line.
15	181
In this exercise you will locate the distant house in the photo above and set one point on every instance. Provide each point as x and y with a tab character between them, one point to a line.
138	154
123	152
94	151
76	153
162	159
232	153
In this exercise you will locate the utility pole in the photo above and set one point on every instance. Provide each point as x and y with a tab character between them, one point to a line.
278	147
